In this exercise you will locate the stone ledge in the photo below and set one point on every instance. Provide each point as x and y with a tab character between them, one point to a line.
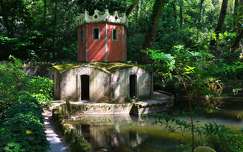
159	103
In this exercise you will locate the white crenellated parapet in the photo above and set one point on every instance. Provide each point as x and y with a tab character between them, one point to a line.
101	17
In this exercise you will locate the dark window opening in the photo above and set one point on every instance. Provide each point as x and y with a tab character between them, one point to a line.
133	86
81	35
114	34
84	87
96	33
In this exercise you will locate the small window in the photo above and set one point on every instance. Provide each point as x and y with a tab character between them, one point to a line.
81	35
114	34
96	33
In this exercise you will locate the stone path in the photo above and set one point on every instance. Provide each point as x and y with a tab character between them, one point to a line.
55	141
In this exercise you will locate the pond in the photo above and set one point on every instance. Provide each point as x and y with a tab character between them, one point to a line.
128	134
124	134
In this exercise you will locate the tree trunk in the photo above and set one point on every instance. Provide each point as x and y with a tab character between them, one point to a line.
236	4
54	28
151	33
174	12
236	43
44	13
181	13
222	15
219	26
131	7
199	25
237	24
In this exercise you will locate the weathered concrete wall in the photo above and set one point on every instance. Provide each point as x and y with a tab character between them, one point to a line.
99	86
56	80
104	86
121	85
68	85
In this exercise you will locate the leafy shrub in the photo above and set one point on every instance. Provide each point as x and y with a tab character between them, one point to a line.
41	89
14	80
22	128
184	68
21	123
223	139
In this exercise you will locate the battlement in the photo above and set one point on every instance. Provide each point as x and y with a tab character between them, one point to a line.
102	17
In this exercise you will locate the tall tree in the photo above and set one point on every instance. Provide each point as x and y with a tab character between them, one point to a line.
44	12
151	32
237	24
222	15
219	25
181	13
174	11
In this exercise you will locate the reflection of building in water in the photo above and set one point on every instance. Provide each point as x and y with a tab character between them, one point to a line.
108	137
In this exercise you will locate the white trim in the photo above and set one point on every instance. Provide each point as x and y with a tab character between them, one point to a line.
99	17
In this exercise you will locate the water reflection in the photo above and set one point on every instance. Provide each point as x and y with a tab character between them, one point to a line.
115	134
123	133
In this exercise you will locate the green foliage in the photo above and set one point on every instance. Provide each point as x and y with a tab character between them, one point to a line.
22	128
20	111
14	82
185	68
223	139
218	137
164	59
41	88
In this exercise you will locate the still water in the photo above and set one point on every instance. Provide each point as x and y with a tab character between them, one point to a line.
124	134
128	134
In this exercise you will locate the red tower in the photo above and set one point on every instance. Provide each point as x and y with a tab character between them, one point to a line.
102	37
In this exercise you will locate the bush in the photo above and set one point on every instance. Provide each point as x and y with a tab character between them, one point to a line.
223	139
14	81
21	97
22	128
41	89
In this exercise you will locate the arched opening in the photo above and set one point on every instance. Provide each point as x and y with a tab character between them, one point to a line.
133	86
84	87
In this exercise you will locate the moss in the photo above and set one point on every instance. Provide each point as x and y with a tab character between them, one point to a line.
204	149
106	67
65	67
